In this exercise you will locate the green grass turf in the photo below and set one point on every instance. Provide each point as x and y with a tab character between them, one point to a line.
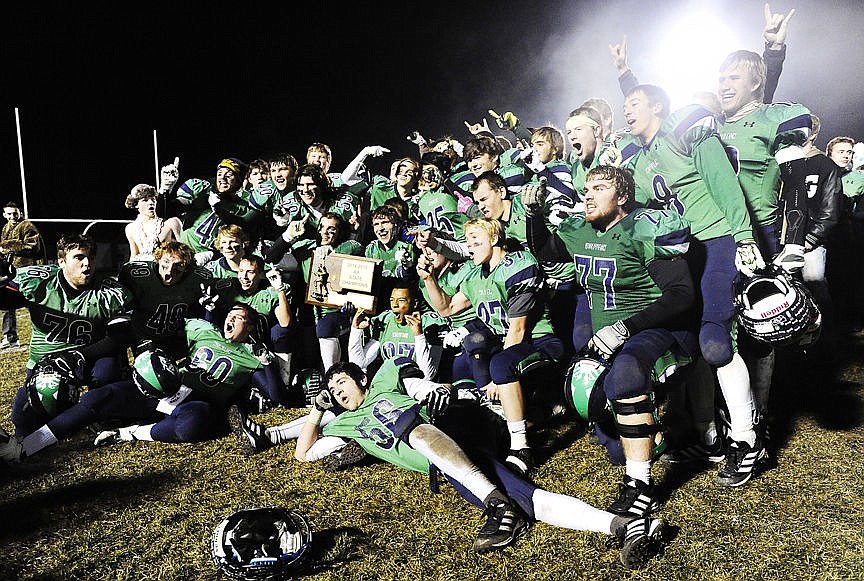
147	510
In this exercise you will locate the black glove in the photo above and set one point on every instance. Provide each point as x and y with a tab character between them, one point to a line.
438	400
7	271
324	400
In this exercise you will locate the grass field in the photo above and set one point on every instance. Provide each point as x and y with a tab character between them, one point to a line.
147	510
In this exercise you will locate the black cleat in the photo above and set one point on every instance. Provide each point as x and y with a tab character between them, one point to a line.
251	433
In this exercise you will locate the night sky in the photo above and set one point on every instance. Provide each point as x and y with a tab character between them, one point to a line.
93	84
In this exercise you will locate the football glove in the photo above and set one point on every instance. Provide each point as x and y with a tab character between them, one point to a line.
534	197
454	337
375	150
213	198
438	400
529	158
280	215
748	259
168	176
323	401
791	258
506	121
609	339
262	353
274	277
202	258
208	298
417	139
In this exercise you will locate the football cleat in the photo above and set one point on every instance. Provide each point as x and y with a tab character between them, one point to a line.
503	526
107	438
352	453
742	460
641	539
696	453
11	449
251	432
520	461
635	498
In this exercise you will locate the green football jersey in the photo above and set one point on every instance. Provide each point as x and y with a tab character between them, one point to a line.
217	368
612	266
751	144
62	317
516	228
853	184
344	205
200	224
512	289
265	196
160	311
376	249
686	169
219	268
397	340
264	301
440	211
376	423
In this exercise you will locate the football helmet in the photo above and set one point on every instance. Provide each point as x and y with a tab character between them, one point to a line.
309	382
261	543
776	308
50	389
155	373
583	387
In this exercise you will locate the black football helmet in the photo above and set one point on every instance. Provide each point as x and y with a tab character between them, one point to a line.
775	308
257	544
155	373
50	388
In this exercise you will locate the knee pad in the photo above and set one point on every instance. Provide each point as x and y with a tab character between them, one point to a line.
480	339
626	378
715	342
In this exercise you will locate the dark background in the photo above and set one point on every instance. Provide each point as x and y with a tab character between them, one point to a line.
93	82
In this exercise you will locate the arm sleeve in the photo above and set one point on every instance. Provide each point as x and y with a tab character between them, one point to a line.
774	65
627	81
359	354
545	245
676	286
423	357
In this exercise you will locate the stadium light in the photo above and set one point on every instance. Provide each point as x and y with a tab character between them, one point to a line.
690	50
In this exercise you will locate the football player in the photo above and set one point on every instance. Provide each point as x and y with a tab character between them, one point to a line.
221	363
401	331
164	294
232	242
69	310
399	257
206	206
629	261
544	160
504	289
391	425
679	162
484	154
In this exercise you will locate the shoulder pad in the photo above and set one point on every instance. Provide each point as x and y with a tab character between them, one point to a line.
690	125
668	231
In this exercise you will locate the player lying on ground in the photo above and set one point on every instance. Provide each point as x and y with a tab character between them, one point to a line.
391	425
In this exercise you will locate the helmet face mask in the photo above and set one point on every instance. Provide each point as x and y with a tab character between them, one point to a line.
260	543
777	309
309	382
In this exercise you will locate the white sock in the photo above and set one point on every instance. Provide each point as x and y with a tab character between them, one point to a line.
734	380
331	352
639	470
518	436
569	512
291	430
136	432
38	440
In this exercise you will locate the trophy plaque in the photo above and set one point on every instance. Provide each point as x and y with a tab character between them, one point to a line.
336	279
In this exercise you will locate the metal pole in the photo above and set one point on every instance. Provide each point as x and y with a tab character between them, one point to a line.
21	162
156	158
